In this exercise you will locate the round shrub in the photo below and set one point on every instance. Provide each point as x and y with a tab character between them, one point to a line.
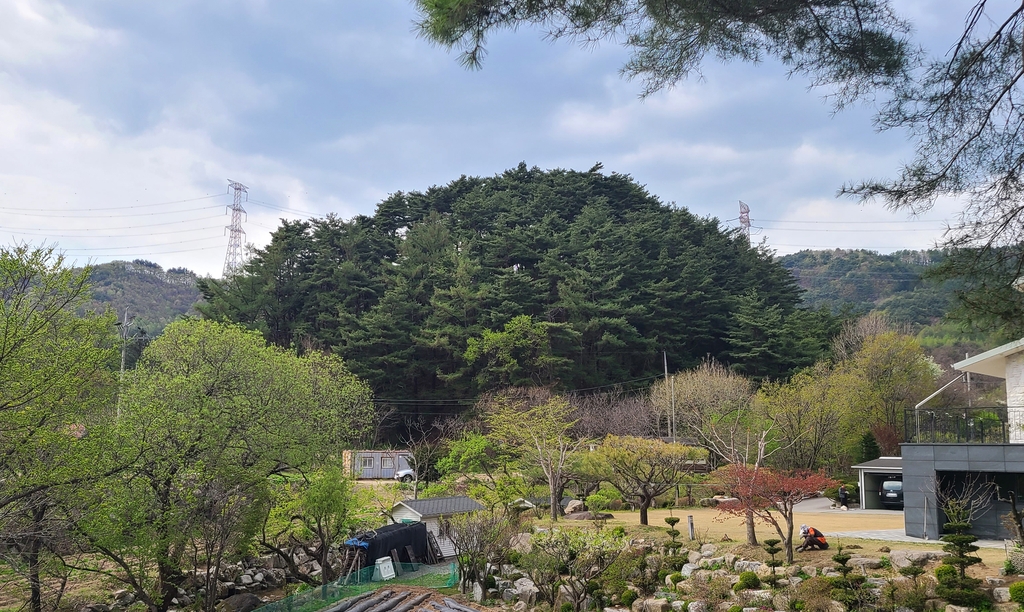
628	597
748	580
1017	593
945	573
676	577
489	582
566	607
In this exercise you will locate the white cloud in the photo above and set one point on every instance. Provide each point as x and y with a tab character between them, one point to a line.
37	31
58	166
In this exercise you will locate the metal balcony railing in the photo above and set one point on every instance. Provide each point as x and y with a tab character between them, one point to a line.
980	425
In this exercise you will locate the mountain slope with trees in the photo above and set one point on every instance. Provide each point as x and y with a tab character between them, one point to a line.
856	282
562	278
154	297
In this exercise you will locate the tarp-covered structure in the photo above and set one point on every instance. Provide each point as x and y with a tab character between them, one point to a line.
397	537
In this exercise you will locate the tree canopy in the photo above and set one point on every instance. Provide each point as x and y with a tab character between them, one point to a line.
560	278
853	45
962	110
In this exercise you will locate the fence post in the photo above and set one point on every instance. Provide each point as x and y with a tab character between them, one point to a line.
689	523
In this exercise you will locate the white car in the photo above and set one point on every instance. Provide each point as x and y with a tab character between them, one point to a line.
406	475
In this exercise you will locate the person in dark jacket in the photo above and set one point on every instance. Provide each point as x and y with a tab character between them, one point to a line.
813	539
844	497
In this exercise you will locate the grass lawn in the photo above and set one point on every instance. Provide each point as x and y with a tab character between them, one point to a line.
712	525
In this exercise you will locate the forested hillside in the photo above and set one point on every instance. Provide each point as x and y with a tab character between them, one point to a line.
562	278
153	296
857	282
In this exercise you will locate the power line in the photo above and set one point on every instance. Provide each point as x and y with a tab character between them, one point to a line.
873	231
57	210
146	225
63	233
145	246
283	209
51	215
195	250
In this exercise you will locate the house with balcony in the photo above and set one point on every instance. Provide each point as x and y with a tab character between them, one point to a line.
948	447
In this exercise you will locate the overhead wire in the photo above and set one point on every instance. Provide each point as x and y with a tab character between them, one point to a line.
144	246
206	197
145	214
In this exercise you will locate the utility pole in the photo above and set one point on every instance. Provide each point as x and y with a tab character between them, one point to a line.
665	356
967	356
123	332
233	259
674	410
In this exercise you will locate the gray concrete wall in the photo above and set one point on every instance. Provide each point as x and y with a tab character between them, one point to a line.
921	462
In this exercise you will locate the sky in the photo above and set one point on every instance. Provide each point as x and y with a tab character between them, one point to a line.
121	123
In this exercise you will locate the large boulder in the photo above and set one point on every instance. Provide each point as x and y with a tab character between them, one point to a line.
527	591
656	605
521	543
688	569
708	549
747	566
1001	594
574	506
244	602
906	558
587	515
697	606
864	563
694	557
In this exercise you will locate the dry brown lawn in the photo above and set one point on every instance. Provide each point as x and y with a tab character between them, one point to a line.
712	525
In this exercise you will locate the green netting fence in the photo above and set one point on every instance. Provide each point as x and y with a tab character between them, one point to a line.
366	579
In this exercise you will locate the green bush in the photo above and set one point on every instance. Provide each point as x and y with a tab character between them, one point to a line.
489	582
736	609
1017	593
676	577
619	532
514	557
566	607
628	597
748	580
944	573
884	562
662	575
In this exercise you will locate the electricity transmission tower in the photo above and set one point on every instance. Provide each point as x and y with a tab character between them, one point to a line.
233	260
744	220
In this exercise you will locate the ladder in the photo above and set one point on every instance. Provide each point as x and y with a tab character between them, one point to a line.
434	554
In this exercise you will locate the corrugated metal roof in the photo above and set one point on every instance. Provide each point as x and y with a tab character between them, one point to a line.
441	506
882	463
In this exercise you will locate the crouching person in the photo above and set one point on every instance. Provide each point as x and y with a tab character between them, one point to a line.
813	539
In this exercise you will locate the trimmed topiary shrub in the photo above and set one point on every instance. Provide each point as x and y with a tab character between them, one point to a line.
628	597
1017	594
748	580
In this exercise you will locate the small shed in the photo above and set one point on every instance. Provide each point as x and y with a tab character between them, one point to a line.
871	474
433	511
374	464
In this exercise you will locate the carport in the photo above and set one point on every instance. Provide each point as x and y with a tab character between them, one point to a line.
871	474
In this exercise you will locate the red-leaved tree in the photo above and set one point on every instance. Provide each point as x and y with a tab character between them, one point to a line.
770	495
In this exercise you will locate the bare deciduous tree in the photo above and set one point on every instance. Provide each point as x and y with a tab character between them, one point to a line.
616	412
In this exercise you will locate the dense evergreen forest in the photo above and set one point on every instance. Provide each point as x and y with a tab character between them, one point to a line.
562	278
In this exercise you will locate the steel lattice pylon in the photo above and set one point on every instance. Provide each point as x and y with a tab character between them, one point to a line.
234	260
